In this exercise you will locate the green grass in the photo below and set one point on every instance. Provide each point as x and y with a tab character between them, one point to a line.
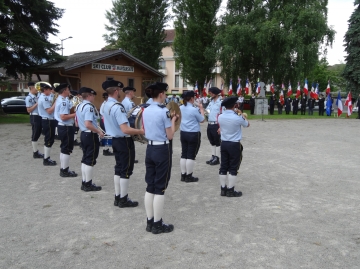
283	116
14	118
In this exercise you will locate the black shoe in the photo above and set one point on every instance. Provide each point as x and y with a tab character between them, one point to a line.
126	202
89	186
223	191
82	185
66	173
38	155
160	227
183	176
76	143
136	161
189	178
49	162
107	152
149	224
215	161
232	193
209	161
117	200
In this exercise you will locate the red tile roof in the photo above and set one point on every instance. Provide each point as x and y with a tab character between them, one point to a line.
170	35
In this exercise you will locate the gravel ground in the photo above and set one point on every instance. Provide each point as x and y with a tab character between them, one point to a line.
299	209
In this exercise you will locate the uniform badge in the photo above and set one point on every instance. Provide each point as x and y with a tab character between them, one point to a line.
122	109
64	104
168	114
91	109
30	100
46	99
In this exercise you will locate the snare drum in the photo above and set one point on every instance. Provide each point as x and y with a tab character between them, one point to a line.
106	141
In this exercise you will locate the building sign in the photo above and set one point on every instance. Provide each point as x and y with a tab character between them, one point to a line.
111	67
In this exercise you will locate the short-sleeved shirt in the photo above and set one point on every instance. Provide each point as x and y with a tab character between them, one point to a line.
150	101
215	109
31	100
156	119
230	126
86	111
128	104
114	115
190	118
45	102
102	108
62	107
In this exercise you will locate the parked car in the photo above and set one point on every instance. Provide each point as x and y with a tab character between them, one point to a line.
13	97
14	106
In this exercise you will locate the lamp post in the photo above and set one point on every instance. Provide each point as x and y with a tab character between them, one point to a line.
62	47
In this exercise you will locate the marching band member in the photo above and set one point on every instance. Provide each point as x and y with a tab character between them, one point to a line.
117	126
212	134
106	151
231	148
35	119
65	128
159	129
46	111
190	135
87	117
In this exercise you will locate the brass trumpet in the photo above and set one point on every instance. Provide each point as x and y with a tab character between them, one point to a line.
38	87
174	107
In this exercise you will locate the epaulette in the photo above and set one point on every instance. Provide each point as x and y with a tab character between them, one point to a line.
162	106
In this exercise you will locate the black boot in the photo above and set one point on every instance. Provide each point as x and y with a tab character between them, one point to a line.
190	178
82	185
107	152
76	143
209	161
89	186
215	161
223	191
117	200
66	173
160	227
232	193
38	155
126	202
183	176
149	224
49	162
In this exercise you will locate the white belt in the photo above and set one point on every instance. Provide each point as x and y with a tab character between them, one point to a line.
34	114
47	119
156	143
87	131
62	124
212	122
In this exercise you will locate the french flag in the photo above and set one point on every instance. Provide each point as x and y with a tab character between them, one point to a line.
348	103
306	87
298	93
272	87
247	86
230	88
339	104
312	90
289	93
204	93
316	93
258	87
328	88
282	101
238	90
222	88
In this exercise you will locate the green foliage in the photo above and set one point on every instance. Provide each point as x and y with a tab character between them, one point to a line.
280	39
195	27
137	26
25	26
352	40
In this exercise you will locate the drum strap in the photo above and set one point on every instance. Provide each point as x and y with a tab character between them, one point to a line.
117	103
85	105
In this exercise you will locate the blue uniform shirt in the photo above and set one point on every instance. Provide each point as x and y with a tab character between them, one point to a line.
230	126
62	107
156	119
31	100
150	101
128	104
86	111
114	115
215	109
45	102
190	118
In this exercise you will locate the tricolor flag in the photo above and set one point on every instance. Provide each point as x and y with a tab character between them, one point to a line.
312	90
258	88
238	89
298	93
306	87
247	86
328	88
272	87
209	85
204	93
222	88
289	92
316	93
282	101
196	90
348	103
230	88
339	104
282	86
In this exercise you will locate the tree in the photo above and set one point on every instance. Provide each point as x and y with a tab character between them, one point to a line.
137	26
195	28
25	26
280	39
352	44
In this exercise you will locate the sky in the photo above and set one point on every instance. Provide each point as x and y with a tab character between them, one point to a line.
84	21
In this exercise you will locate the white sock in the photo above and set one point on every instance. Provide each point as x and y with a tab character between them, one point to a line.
213	150
83	172
88	172
183	165
232	181
124	185
56	132
46	152
66	159
217	152
189	166
75	137
149	205
222	179
158	207
62	161
34	146
117	185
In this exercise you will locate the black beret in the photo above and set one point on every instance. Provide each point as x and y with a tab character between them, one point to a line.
30	83
188	94
105	94
214	90
148	93
112	83
86	90
62	86
158	86
229	101
129	89
45	86
74	93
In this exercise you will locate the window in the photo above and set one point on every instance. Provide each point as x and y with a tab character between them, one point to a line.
184	83
176	69
162	64
177	77
131	82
